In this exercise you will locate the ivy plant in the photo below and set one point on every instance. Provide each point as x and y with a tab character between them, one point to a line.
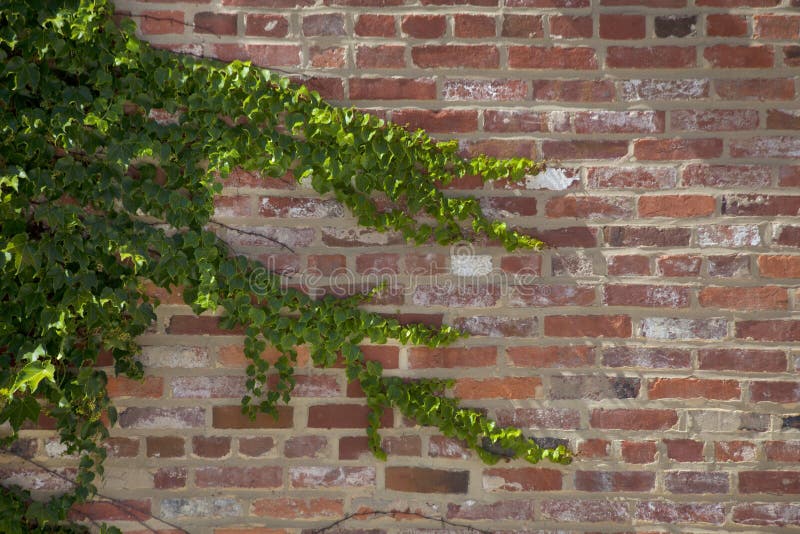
96	198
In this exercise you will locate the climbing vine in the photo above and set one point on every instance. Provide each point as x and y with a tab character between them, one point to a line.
97	198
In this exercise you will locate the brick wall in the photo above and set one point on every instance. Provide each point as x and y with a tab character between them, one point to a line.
657	336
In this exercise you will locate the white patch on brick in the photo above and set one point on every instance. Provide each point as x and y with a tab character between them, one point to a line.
491	483
180	356
741	235
552	178
464	265
663	89
171	508
269	26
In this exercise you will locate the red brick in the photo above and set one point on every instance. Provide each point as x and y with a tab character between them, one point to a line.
783	451
744	298
165	447
738	3
768	330
781	392
380	57
688	388
696	482
622	26
628	265
594	387
319	477
783	119
476	90
791	56
631	178
559	356
538	57
239	477
328	88
661	4
645	90
646	236
352	447
789	176
779	266
625	419
379	263
646	358
122	510
498	388
587	326
550	418
343	416
747	57
454	56
783	482
442	447
606	482
254	447
323	24
522	479
170	478
680	512
162	22
684	450
524	121
594	448
261	55
524	26
392	89
370	25
619	122
676	206
774	514
676	26
584	149
211	446
584	511
745	360
426	480
499	148
654	296
766	147
326	58
258	25
215	23
679	265
677	149
232	417
726	175
286	508
450	357
714	120
735	451
755	89
530	265
304	446
778	27
474	26
437	121
638	452
789	236
574	90
423	26
724	25
115	447
402	445
149	387
653	57
501	510
571	27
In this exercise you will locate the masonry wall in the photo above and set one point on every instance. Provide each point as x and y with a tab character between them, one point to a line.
657	336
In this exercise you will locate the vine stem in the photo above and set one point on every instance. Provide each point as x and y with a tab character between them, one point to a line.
105	498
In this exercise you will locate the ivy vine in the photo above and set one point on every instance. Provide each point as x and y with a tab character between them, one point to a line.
96	198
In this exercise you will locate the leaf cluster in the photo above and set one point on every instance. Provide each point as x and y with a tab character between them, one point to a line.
97	197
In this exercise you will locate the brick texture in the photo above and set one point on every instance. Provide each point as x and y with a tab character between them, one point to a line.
657	335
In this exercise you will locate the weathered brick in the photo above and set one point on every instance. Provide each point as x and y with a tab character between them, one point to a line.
783	482
426	480
625	419
767	514
696	482
571	27
587	326
239	477
522	479
585	510
289	508
502	388
680	512
614	481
